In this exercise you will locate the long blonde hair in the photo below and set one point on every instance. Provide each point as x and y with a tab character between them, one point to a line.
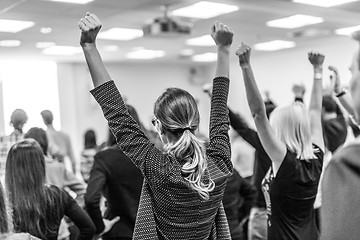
177	111
291	125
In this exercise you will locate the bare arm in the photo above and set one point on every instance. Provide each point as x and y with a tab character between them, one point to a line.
315	105
275	148
90	26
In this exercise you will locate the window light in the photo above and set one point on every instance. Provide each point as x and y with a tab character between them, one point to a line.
324	3
348	30
205	57
61	50
205	40
14	26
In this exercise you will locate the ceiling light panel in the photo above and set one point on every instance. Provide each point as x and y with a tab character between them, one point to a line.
294	21
14	26
204	10
205	41
72	1
145	54
348	30
122	34
205	57
61	50
274	45
324	3
10	43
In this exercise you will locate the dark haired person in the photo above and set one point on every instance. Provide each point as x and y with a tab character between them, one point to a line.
184	186
36	207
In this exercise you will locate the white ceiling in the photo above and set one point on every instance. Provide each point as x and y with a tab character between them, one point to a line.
248	24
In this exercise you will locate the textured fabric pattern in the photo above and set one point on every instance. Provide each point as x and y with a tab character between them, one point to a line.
169	208
6	143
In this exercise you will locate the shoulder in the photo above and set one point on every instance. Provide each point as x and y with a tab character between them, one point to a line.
348	154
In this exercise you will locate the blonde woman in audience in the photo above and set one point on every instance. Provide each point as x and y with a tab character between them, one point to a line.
36	207
294	142
183	190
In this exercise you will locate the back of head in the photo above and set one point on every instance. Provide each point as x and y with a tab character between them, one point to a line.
178	114
18	118
47	117
291	126
90	139
25	184
329	105
40	136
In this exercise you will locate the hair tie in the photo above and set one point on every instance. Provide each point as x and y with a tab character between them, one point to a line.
187	128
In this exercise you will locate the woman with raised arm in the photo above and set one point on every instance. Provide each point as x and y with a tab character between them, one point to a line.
38	208
184	186
293	140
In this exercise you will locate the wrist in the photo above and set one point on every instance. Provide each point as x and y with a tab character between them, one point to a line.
88	45
318	69
245	66
225	49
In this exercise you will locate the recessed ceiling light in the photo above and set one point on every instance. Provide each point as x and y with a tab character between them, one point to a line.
205	40
72	1
61	50
204	10
348	30
122	34
294	21
141	53
324	3
44	44
45	30
14	26
111	48
205	57
187	52
10	43
274	45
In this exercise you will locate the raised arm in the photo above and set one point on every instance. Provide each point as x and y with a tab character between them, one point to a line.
90	26
315	106
219	146
275	149
341	93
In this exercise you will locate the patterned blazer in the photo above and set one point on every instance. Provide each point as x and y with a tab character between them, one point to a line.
169	208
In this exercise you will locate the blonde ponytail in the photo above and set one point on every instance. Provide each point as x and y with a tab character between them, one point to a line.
192	150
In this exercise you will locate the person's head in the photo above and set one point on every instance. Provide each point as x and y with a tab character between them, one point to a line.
176	120
40	136
25	184
18	119
291	125
329	105
47	117
90	139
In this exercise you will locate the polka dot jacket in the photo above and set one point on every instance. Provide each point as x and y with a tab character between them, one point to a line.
169	208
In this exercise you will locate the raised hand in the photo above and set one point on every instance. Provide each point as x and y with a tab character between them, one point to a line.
222	34
316	59
336	83
243	52
90	26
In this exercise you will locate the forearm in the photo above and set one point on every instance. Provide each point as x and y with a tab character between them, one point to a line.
222	66
317	90
253	95
346	102
97	69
